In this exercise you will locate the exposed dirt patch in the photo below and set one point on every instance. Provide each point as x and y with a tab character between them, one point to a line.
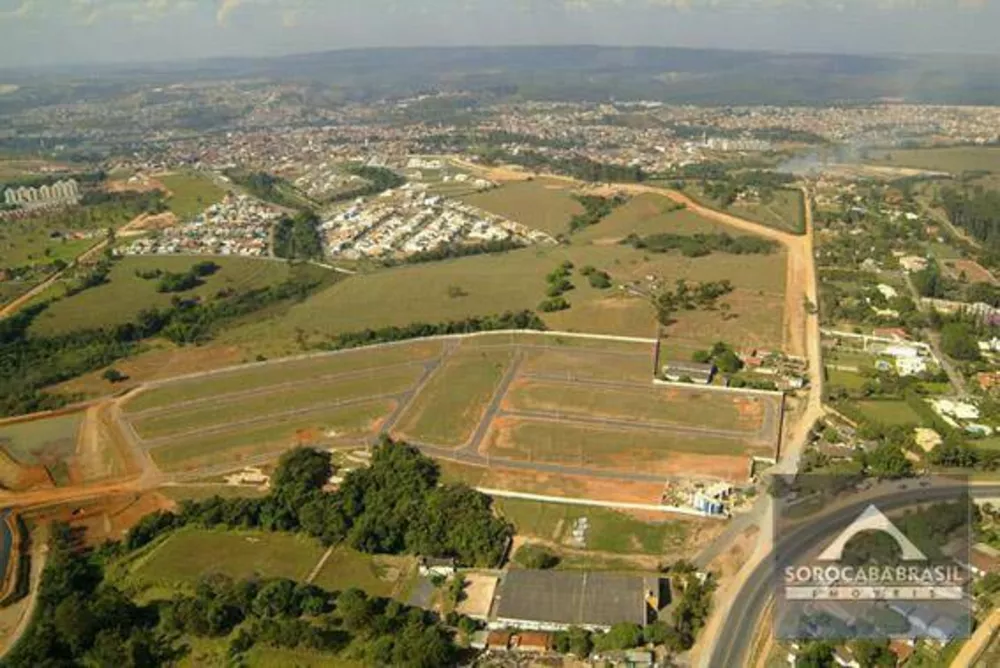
973	271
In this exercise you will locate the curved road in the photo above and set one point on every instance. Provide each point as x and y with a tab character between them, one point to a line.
743	621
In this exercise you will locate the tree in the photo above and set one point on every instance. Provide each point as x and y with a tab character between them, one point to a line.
888	461
815	655
958	341
536	557
113	376
623	635
873	654
300	472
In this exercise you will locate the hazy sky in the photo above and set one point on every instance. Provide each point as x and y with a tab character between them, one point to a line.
65	31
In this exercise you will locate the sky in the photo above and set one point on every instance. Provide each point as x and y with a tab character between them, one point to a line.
49	32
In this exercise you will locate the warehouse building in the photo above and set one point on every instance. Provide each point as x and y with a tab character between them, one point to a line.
555	600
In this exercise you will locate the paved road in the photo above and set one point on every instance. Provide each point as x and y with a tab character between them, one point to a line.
742	624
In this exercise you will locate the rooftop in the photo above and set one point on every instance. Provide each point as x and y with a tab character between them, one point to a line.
571	598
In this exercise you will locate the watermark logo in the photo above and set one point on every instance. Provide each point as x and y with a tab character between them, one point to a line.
855	559
872	519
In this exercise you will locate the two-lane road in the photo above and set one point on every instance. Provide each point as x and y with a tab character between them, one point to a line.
744	620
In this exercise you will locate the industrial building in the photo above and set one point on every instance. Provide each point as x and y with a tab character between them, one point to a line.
555	600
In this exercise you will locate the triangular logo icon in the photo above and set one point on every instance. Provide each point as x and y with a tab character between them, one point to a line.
872	519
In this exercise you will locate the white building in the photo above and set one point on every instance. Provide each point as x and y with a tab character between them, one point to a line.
910	366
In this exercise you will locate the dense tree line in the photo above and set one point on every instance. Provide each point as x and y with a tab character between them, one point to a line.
298	238
699	245
578	167
379	180
455	250
83	621
394	506
976	211
596	208
264	186
558	284
29	362
506	320
596	277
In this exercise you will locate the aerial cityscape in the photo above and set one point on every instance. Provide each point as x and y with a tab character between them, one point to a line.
535	355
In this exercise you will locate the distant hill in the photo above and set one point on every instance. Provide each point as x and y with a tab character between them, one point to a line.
700	76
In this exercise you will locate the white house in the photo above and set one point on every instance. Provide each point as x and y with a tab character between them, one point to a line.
910	366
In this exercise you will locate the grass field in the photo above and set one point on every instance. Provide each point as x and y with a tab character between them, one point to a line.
951	159
41	441
847	379
516	280
635	365
378	575
327	425
544	204
191	193
120	299
784	212
644	215
208	490
453	402
623	450
609	530
640	404
28	242
890	412
298	397
277	373
189	554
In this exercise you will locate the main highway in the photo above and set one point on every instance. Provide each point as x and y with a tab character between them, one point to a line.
743	622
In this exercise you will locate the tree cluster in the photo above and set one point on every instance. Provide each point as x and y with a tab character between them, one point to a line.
578	167
455	250
265	186
596	208
558	284
597	278
379	180
188	280
685	297
976	211
394	506
83	621
722	356
700	245
298	238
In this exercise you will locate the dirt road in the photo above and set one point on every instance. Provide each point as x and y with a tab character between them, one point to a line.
800	283
977	644
125	230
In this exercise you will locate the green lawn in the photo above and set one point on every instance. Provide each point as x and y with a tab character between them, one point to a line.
298	397
308	369
191	193
543	204
950	159
890	412
208	490
323	426
378	575
189	554
451	405
516	280
120	299
42	440
838	378
944	251
609	530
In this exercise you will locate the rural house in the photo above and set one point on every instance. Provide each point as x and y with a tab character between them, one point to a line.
694	371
